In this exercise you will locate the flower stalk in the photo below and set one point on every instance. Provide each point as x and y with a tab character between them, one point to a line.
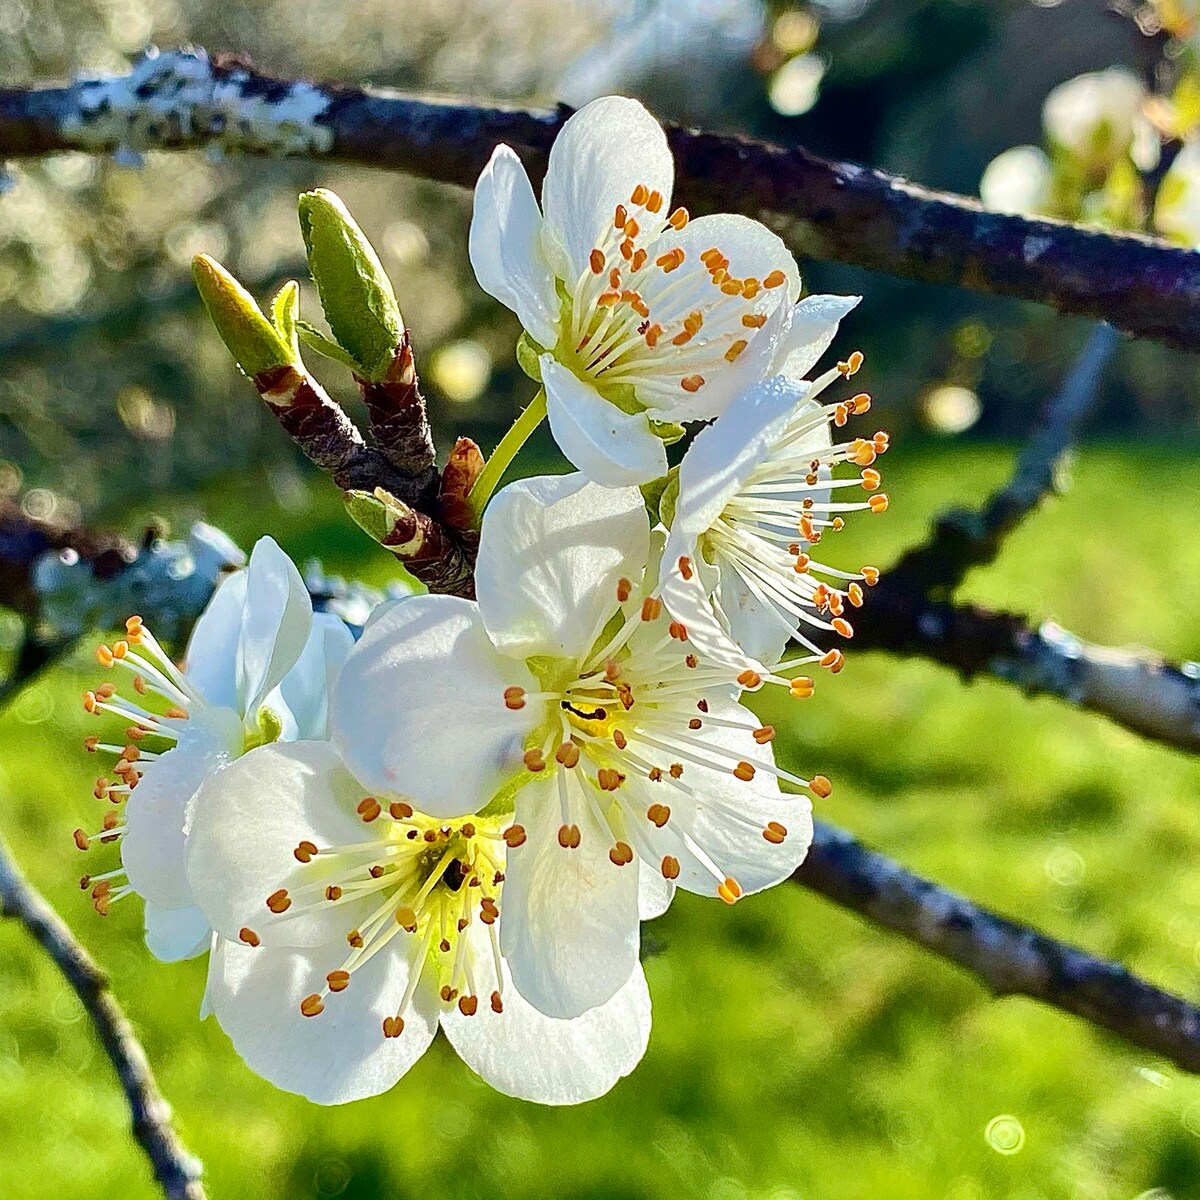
503	455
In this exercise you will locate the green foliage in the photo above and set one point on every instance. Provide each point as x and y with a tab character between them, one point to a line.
796	1052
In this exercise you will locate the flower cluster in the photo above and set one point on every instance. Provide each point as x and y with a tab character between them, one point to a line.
461	820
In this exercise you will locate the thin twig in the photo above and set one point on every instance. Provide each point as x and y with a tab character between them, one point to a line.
966	538
1008	958
826	209
175	1169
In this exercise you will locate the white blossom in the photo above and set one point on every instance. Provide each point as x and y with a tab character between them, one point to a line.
351	930
567	698
259	667
640	317
756	493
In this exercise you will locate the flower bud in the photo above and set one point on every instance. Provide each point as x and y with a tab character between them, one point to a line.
356	294
254	342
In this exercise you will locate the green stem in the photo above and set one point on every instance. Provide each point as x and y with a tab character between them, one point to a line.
503	455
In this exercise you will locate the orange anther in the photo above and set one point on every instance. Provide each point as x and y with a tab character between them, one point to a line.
736	349
658	814
855	594
400	811
369	809
750	679
685	566
651	608
744	771
870	576
406	918
621	854
514	836
640	194
775	279
567	754
247	935
82	841
620	217
305	851
468	1005
310	1006
842	626
801	687
764	734
654	202
393	1027
692	383
820	786
338	981
669	867
678	219
534	761
609	779
730	891
596	262
878	503
754	320
514	698
279	901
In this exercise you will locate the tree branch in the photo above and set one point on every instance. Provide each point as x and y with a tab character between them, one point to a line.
176	1170
826	209
1010	959
962	538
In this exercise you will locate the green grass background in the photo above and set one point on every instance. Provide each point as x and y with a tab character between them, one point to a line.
796	1052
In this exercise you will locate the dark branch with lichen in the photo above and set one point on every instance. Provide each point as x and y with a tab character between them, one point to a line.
825	209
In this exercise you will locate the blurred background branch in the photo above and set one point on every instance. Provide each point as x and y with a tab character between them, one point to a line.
826	209
177	1172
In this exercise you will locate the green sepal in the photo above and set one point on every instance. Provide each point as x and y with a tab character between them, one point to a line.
669	431
256	345
528	353
668	497
355	292
314	339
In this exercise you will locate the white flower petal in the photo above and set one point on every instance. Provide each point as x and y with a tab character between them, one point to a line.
611	447
276	621
419	709
551	552
814	324
727	816
301	701
602	153
724	455
757	624
688	601
505	246
570	930
244	825
173	934
213	648
340	1054
152	849
524	1053
654	892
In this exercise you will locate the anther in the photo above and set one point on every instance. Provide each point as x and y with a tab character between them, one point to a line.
678	219
82	841
514	698
669	867
620	217
775	833
338	981
619	739
695	723
750	679
310	1006
736	349
514	836
819	785
596	262
685	566
279	901
678	630
801	687
855	594
775	279
730	890
871	479
406	918
533	760
90	744
677	770
764	734
468	1005
655	202
104	656
754	320
608	779
355	939
833	661
692	383
448	993
843	627
621	854
497	1003
658	814
399	810
567	754
624	588
744	771
393	1027
878	503
369	809
333	892
568	837
651	608
305	851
